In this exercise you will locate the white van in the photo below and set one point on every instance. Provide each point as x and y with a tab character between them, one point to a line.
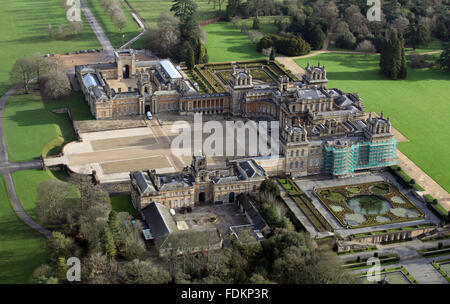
149	115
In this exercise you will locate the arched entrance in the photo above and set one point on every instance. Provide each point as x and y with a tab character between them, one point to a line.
147	108
231	197
126	71
201	197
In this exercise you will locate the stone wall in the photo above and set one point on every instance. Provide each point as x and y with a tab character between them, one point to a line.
393	236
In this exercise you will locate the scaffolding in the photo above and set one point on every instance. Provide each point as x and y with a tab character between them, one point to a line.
345	159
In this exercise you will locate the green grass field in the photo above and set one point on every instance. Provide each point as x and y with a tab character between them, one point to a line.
23	28
111	30
418	106
150	10
123	203
227	43
22	250
266	25
31	128
26	183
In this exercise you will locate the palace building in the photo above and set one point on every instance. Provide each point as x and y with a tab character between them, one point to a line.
322	130
196	184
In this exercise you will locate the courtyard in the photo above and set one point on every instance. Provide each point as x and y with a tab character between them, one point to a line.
113	149
206	217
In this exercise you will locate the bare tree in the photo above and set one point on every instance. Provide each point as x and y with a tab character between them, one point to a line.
56	85
23	71
75	27
61	34
143	272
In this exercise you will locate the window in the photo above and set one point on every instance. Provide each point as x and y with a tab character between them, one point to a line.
296	153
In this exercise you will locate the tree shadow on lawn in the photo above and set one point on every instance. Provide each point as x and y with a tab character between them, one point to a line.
414	75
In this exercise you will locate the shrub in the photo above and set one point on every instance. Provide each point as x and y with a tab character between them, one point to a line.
346	40
366	46
290	46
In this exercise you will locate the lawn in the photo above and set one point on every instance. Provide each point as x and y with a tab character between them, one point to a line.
418	106
111	30
26	183
150	10
21	248
227	43
123	203
266	25
23	28
32	129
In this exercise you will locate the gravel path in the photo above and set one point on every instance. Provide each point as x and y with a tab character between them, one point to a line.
97	29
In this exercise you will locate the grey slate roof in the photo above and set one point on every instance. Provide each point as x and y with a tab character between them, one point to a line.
251	211
159	220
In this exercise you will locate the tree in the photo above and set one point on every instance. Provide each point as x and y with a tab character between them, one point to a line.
346	40
270	186
60	245
444	59
56	205
190	59
164	39
392	57
143	272
312	33
107	243
56	85
183	8
23	71
366	46
272	54
114	227
256	24
40	64
75	27
119	19
132	245
98	269
43	275
61	33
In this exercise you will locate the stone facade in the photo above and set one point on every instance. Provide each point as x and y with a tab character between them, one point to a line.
322	131
196	184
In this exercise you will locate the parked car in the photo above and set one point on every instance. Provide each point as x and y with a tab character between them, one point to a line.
149	115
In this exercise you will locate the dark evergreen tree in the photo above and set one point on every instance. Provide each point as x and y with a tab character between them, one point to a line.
392	58
183	8
190	59
256	24
113	224
107	243
444	59
272	54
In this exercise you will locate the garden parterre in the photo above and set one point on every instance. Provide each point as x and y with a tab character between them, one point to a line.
369	204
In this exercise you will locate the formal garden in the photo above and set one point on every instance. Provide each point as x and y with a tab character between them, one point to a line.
443	267
214	77
368	204
398	275
304	203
